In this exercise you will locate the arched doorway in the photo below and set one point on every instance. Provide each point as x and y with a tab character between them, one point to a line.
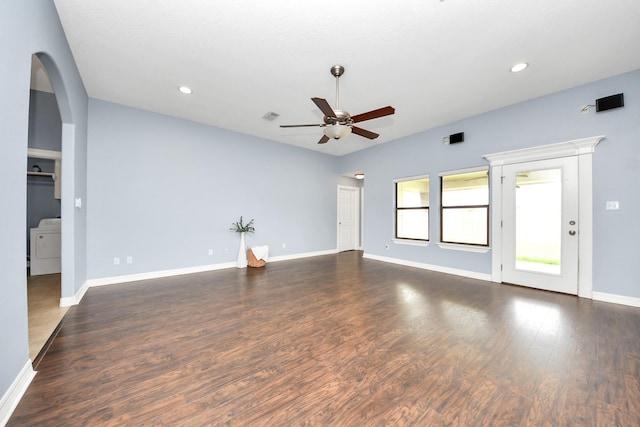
72	258
44	223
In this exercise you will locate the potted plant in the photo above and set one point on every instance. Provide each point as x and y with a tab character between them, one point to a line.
240	227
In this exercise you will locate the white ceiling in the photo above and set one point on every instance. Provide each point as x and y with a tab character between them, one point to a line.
435	61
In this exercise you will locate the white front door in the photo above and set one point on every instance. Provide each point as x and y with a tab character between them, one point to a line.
541	225
348	218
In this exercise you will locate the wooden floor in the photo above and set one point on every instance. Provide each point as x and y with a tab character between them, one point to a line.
45	313
337	341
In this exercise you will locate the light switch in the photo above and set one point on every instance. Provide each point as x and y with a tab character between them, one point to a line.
78	202
613	205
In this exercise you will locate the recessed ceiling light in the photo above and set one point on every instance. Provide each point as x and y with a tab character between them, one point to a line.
519	67
186	90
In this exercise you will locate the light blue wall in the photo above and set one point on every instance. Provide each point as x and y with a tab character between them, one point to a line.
550	119
165	191
28	27
45	126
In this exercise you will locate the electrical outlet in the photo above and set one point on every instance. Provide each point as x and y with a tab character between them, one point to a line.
129	259
116	261
284	246
210	251
226	250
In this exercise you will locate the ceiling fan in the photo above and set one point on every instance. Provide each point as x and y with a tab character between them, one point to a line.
339	123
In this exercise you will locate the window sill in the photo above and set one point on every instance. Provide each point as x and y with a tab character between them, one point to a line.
410	242
464	248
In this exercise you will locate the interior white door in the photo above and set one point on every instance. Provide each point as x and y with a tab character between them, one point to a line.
348	218
541	224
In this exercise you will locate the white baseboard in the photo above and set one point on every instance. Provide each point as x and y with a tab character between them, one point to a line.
74	300
438	268
157	274
302	255
616	299
104	281
15	392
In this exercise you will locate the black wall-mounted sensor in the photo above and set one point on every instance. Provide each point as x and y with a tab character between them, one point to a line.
610	102
456	137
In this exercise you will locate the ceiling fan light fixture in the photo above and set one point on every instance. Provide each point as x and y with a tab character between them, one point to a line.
337	131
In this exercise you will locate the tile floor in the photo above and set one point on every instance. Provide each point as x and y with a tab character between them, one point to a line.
43	293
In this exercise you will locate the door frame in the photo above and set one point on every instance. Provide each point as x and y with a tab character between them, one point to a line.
359	215
583	149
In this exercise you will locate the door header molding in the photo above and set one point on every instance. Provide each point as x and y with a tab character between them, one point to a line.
543	152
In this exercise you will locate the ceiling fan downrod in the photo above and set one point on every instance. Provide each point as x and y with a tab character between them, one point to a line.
337	71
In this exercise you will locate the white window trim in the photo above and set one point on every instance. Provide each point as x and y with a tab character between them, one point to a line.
463	246
410	242
467	170
583	149
409	178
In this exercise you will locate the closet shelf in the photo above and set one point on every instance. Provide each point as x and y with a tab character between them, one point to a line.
56	176
49	174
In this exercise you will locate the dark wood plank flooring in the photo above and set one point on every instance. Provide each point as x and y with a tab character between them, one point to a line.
337	341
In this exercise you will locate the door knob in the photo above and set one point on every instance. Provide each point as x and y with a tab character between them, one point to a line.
572	232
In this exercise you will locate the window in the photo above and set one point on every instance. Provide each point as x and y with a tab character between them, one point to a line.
465	208
412	209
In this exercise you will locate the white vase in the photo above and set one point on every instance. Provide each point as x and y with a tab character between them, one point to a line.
242	253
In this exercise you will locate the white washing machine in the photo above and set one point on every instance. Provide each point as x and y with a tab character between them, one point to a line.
46	247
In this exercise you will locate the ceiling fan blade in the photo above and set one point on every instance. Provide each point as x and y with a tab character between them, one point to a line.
302	126
323	140
324	106
373	114
364	132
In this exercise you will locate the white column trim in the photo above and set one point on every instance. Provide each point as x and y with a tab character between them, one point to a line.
495	177
585	215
